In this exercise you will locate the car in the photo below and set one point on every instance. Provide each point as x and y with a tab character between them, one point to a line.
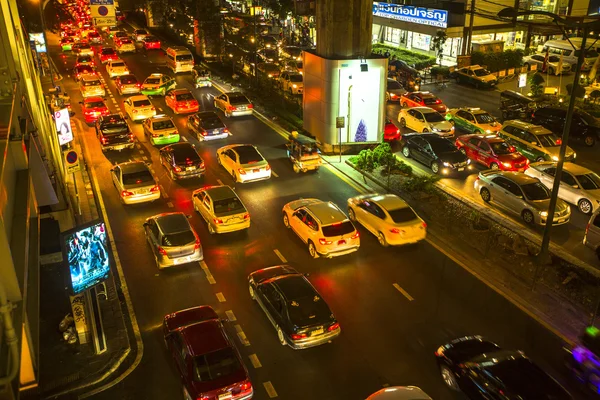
584	126
296	66
158	84
388	217
151	42
291	52
82	70
299	314
477	76
394	90
322	226
135	183
107	54
552	63
90	85
182	101
221	208
116	68
66	43
269	69
534	141
522	195
113	133
93	108
234	104
124	45
473	120
139	107
139	35
492	152
399	393
268	42
425	119
391	131
207	125
291	82
481	369
578	185
436	152
94	37
161	130
85	59
268	55
182	161
83	48
172	239
111	30
423	99
244	162
127	84
119	35
209	365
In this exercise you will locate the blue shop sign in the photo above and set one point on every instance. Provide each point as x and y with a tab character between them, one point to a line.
417	15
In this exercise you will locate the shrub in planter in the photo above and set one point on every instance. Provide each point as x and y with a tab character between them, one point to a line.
423	184
443	71
365	161
381	151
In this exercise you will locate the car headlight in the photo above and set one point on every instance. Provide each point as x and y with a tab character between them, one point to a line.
435	129
294	86
507	165
468	161
544	213
447	164
488	131
574	155
554	158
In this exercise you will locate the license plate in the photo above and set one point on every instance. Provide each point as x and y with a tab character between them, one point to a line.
461	169
216	131
190	168
342	242
317	332
181	260
256	170
225	396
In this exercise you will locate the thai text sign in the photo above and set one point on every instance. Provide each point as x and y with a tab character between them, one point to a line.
417	15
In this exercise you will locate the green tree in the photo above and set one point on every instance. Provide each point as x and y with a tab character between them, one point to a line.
437	45
536	83
280	7
207	27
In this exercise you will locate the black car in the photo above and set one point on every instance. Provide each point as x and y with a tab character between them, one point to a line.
584	127
294	307
182	161
482	370
436	152
207	125
113	133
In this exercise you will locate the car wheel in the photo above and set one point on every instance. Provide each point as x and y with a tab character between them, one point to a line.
589	141
540	159
234	176
494	166
351	214
312	250
527	217
211	229
402	122
406	152
281	337
425	130
485	195
435	167
381	239
251	291
585	206
449	377
551	71
286	220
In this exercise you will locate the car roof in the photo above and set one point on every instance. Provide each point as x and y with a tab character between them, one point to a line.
518	177
90	77
156	75
389	201
531	128
204	337
207	114
423	109
326	212
235	94
116	60
429	137
576	169
139	97
133	166
222	192
172	222
93	99
294	286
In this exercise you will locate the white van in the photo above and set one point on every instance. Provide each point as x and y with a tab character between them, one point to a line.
569	54
180	59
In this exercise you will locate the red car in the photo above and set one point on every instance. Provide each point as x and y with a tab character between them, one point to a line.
423	99
83	70
210	365
182	101
151	42
391	131
107	54
492	151
93	108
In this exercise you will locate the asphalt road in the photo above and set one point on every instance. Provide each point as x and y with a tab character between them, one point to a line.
387	339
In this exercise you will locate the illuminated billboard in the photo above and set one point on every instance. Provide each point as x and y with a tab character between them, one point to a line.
86	249
39	41
63	126
416	15
359	100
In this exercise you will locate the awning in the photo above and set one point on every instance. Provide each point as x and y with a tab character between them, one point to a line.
44	191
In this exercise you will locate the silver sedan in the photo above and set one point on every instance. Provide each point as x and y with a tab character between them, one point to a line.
522	195
135	183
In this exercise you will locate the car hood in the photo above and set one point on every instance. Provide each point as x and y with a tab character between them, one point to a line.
445	125
452	157
543	205
555	151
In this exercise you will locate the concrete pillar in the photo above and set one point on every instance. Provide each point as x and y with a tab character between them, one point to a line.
345	28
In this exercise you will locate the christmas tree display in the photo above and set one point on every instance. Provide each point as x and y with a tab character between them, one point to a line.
361	132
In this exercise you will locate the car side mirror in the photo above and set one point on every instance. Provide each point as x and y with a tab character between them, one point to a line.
145	224
189	216
306	274
575	186
223	320
81	102
125	117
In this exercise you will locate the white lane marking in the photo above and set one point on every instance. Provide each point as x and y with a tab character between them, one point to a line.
144	158
209	276
220	297
160	109
255	361
139	146
404	292
184	138
169	204
274	174
219	182
281	257
241	335
164	192
141	151
270	389
230	316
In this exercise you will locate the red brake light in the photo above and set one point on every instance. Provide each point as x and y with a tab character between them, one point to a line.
126	193
355	236
218	221
396	230
246	386
298	336
559	141
438	101
156	188
153	108
246	216
268	167
250	105
197	244
201	165
162	251
103	140
241	171
177	169
334	327
131	136
424	224
324	241
231	108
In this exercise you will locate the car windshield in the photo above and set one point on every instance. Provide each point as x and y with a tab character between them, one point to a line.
308	311
184	97
128	79
126	41
150	39
117	64
212	123
548	140
536	191
295	78
442	146
394	85
91	83
153	81
229	206
481	72
338	229
215	365
164	124
433	117
107	52
137	178
184	57
233	100
179	238
502	148
114	126
400	215
484	118
142	103
588	118
248	155
589	181
95	104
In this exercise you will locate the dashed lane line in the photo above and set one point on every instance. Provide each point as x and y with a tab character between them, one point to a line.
404	292
270	389
184	138
281	257
274	174
170	204
241	335
230	316
255	361
209	277
220	297
219	182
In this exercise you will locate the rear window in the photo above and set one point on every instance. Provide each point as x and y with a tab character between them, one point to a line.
232	205
212	123
394	85
185	154
127	79
184	97
142	103
248	155
165	124
215	365
117	64
179	238
184	57
233	100
137	178
153	81
589	181
430	100
341	228
91	83
126	41
400	215
309	311
108	51
94	104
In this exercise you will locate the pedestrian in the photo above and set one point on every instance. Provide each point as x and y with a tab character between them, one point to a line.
387	53
293	37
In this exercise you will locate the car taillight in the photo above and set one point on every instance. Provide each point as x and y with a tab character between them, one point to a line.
177	169
424	225
155	188
226	130
152	108
131	136
103	140
268	167
438	101
325	241
298	336
558	141
201	165
396	230
162	251
246	216
250	105
134	111
398	131
197	244
241	171
139	85
231	108
155	135
245	386
126	193
334	327
204	133
355	236
218	221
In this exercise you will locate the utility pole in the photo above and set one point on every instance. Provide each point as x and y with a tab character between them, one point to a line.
471	22
254	8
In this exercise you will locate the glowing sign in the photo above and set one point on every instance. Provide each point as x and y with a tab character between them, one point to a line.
417	15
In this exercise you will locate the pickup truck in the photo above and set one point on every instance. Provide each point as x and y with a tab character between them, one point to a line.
113	133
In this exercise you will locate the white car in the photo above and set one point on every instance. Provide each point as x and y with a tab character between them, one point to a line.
139	35
244	162
116	68
135	183
234	104
221	208
425	119
291	82
551	65
388	217
125	46
139	107
90	85
322	226
578	185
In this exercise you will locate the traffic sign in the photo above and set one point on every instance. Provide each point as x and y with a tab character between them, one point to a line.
107	21
102	10
102	3
71	161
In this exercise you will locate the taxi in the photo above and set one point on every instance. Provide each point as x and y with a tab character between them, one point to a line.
85	60
182	101
116	68
128	84
124	45
107	54
161	130
66	43
139	108
423	99
473	120
111	30
151	43
139	35
158	84
492	152
83	48
94	37
119	35
92	108
81	70
221	208
90	85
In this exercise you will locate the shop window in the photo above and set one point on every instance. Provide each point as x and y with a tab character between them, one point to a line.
420	41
